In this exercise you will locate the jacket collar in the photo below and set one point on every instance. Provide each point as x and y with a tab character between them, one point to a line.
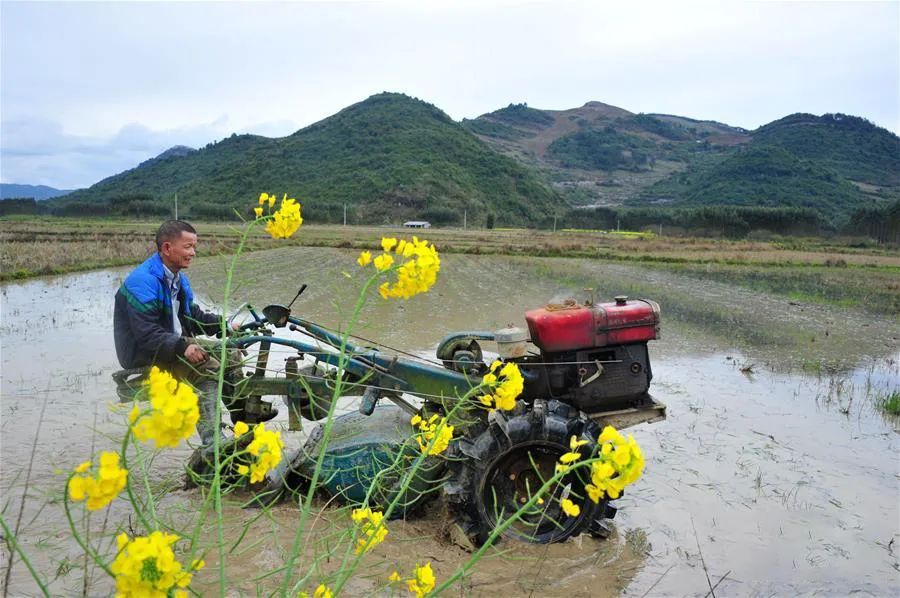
155	266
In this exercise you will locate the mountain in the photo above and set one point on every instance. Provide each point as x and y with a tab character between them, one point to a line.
391	158
601	155
760	176
176	151
850	146
38	192
388	158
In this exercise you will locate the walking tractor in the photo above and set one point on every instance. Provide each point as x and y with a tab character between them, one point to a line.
582	367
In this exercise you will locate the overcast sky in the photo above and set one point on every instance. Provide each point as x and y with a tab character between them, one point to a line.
89	90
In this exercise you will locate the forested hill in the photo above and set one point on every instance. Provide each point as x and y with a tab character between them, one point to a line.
601	155
851	146
388	158
391	158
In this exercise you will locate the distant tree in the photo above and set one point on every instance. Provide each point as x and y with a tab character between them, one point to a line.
440	215
490	220
23	205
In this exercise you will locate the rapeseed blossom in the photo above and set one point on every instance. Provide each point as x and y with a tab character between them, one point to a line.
146	566
416	272
423	580
435	430
266	447
173	413
572	456
372	528
322	591
621	464
570	508
103	486
505	385
285	221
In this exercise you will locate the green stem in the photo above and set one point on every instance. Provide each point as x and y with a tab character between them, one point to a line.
131	497
342	362
86	547
11	540
223	354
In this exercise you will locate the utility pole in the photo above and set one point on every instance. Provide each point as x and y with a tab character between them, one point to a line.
176	205
465	219
554	223
345	214
660	229
617	224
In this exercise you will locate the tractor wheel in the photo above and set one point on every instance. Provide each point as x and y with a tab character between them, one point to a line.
496	471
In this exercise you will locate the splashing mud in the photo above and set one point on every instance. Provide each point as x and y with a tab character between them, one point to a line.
773	474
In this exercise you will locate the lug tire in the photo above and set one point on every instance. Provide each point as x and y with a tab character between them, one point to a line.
495	469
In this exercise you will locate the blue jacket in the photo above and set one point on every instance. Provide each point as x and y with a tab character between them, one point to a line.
142	321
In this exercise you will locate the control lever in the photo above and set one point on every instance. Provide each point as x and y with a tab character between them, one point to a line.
300	292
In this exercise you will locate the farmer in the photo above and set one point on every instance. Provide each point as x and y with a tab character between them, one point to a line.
156	320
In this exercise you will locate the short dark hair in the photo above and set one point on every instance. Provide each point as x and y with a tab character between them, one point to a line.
171	230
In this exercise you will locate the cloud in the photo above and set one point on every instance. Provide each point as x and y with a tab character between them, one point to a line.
39	150
90	89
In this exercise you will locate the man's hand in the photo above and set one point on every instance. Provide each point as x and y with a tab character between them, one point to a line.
235	326
195	354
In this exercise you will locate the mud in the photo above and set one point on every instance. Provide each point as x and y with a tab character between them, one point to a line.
775	473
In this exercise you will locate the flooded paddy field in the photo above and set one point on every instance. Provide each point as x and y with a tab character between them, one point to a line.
775	473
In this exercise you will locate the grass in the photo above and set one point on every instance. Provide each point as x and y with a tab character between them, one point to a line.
889	403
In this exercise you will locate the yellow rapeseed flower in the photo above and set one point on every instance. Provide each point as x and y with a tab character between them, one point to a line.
266	448
286	220
146	566
423	580
241	428
322	591
258	211
570	508
416	272
395	577
173	413
438	431
620	463
505	382
364	259
383	262
372	528
572	456
101	487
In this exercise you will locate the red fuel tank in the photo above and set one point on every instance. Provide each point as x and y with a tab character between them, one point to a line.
571	326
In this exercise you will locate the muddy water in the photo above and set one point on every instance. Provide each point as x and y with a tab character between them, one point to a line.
778	479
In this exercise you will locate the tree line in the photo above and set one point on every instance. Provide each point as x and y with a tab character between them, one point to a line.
880	223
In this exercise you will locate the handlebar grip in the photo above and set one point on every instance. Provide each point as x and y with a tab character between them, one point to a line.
369	398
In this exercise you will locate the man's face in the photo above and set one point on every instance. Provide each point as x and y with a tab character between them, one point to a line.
177	254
